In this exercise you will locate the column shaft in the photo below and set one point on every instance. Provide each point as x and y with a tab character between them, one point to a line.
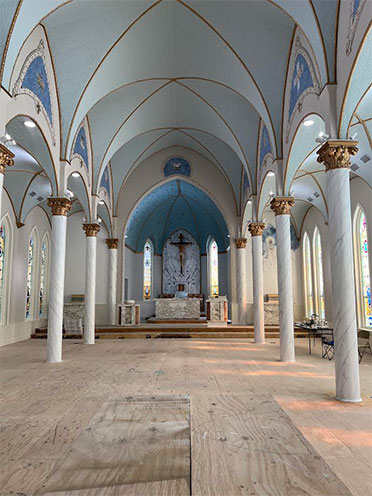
112	283
284	265
343	285
258	290
56	288
90	289
241	279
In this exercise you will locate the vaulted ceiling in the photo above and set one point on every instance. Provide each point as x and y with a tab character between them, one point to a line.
150	74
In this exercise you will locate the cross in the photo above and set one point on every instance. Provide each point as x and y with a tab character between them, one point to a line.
181	245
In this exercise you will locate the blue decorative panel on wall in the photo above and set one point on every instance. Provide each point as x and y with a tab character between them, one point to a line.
36	81
270	232
265	145
81	147
301	81
177	165
105	180
245	182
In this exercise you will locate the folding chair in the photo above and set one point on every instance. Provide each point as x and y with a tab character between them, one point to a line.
367	346
328	347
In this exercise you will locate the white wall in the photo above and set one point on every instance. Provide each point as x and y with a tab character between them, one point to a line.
16	328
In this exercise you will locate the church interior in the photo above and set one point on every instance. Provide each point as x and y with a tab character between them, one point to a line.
185	247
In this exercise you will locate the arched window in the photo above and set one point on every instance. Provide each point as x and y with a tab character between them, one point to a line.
31	262
44	272
362	272
213	268
4	266
147	270
308	276
318	262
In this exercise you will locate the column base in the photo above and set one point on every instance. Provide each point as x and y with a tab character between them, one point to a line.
54	361
348	401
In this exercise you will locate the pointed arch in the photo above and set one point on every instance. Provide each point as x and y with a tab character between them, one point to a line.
213	267
318	273
148	259
44	276
6	235
31	274
362	273
308	275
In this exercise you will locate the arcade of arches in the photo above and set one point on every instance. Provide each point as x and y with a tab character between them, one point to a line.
186	168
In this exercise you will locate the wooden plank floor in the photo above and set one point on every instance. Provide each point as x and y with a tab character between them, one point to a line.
258	426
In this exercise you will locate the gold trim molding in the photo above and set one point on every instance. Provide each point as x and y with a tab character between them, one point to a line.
59	206
336	154
282	205
112	243
6	158
241	242
91	230
256	228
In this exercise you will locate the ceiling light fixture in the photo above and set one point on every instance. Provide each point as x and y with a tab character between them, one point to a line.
29	124
308	122
8	137
75	174
271	174
249	202
101	202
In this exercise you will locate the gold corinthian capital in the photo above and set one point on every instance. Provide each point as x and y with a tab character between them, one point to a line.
241	242
91	229
336	154
282	205
112	243
59	206
256	228
6	158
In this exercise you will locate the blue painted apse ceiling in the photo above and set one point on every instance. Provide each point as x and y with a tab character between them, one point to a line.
173	206
105	180
177	165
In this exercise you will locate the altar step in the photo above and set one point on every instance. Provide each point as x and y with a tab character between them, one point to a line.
154	331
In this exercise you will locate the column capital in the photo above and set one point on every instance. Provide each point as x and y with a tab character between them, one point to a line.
112	243
282	205
59	206
91	230
256	228
6	158
241	242
336	154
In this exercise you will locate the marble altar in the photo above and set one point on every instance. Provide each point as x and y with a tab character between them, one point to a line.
73	317
129	313
177	308
217	310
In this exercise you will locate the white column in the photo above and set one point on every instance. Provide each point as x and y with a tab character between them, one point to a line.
241	279
91	231
60	207
256	230
282	208
335	154
6	160
112	244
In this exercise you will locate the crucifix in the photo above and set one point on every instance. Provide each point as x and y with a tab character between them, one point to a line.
181	244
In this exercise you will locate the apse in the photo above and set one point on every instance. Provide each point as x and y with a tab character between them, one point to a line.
173	206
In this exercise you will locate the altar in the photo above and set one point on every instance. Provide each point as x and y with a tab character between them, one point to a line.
177	308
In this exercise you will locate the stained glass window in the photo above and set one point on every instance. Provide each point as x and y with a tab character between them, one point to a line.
213	268
3	250
43	276
319	273
308	275
147	270
30	270
364	271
